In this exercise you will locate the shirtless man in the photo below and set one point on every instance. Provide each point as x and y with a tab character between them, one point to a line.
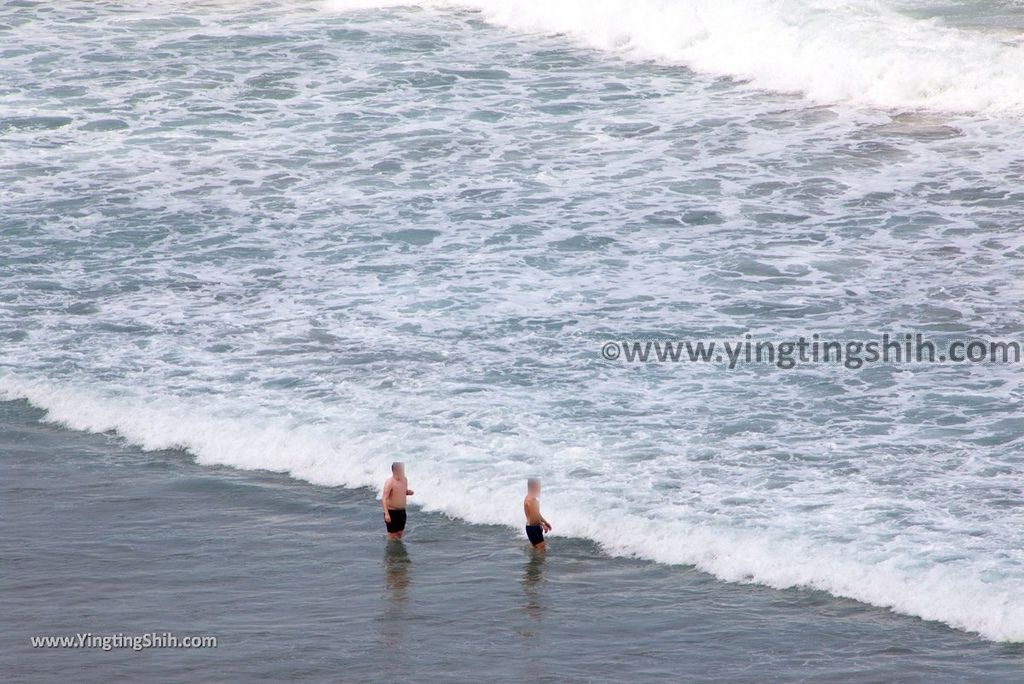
393	501
536	525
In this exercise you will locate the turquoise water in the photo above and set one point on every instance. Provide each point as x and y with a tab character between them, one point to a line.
312	239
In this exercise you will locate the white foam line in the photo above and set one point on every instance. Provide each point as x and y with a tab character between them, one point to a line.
854	51
949	594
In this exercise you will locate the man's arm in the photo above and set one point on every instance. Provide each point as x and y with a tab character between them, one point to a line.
543	521
385	495
408	492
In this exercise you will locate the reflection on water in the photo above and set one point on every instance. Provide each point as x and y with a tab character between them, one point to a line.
392	627
531	581
397	566
396	580
396	572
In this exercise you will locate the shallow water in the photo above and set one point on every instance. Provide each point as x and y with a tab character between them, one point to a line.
297	583
298	238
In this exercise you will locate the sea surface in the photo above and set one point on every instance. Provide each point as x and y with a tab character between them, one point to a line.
313	238
296	583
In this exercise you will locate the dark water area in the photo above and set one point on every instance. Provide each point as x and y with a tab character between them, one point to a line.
297	583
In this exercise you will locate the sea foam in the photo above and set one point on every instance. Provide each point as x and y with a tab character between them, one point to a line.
384	255
320	455
858	52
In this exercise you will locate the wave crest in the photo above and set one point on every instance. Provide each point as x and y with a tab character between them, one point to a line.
857	52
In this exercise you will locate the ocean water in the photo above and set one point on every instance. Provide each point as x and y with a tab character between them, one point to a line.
296	584
313	238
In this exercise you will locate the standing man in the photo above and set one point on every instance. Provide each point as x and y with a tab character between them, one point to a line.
393	501
536	525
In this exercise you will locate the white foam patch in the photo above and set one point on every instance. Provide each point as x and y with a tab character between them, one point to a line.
859	51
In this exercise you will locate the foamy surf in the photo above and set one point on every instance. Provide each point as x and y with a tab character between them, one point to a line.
310	242
214	431
832	51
